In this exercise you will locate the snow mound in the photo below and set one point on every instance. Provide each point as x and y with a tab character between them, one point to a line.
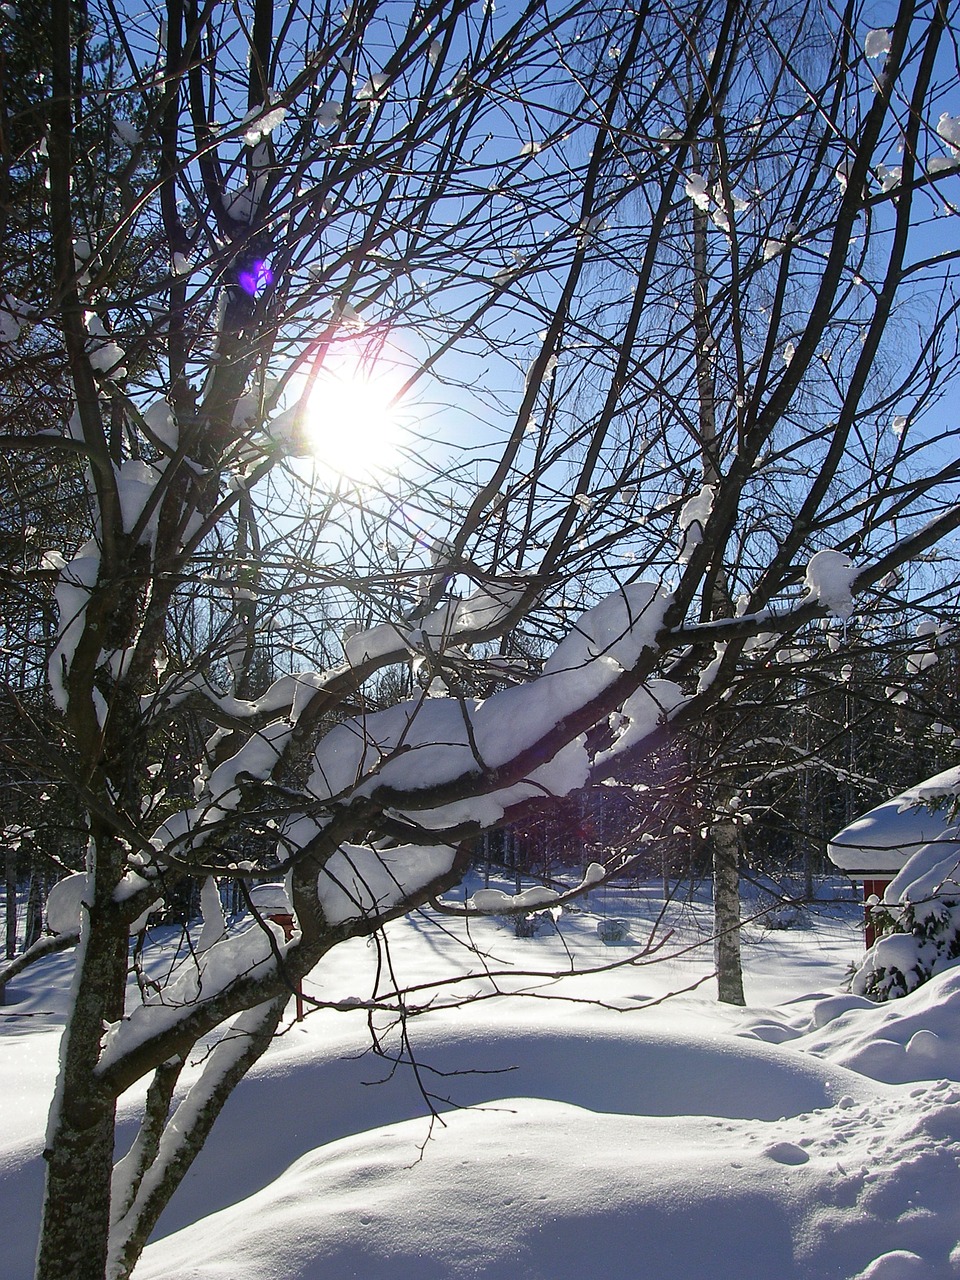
551	1191
681	1140
913	1038
900	1264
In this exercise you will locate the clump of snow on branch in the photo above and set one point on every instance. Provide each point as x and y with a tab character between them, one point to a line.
426	743
349	318
242	203
68	897
587	230
286	429
943	164
261	121
829	579
328	115
920	661
694	515
430	742
162	425
104	354
454	620
489	607
697	190
495	901
65	903
255	759
253	762
249	954
287	695
136	483
211	911
126	133
712	669
948	130
948	127
362	880
877	43
375	642
491	901
651	705
617	629
372	88
76	580
12	315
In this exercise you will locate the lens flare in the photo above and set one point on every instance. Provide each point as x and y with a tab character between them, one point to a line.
256	278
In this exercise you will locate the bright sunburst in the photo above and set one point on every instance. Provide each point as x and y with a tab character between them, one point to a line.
353	419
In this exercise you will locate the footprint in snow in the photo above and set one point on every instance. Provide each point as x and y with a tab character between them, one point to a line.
786	1153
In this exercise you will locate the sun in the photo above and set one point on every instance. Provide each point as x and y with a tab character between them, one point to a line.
353	420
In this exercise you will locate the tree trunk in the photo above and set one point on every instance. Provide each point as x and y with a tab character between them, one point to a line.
33	925
132	1228
809	889
76	1209
724	836
726	911
11	882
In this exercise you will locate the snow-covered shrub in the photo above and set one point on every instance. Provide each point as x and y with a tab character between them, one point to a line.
784	915
534	924
613	930
920	922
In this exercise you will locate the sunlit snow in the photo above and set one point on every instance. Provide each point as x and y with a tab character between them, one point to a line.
812	1134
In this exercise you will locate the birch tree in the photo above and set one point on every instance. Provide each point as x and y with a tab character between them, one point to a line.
666	298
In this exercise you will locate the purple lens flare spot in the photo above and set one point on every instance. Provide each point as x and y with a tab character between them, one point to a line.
257	278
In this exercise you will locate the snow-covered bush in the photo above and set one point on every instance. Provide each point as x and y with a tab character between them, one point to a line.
920	923
534	924
784	915
613	930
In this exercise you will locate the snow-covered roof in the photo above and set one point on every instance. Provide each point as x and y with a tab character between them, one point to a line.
270	899
881	841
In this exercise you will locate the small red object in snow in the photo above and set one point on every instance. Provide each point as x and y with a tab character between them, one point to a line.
871	889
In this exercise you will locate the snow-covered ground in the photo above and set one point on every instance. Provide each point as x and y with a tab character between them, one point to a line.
604	1129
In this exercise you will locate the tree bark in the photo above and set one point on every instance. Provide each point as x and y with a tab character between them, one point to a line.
76	1208
724	836
11	921
33	924
726	911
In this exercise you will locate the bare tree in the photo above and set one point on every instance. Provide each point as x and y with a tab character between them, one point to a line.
665	294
